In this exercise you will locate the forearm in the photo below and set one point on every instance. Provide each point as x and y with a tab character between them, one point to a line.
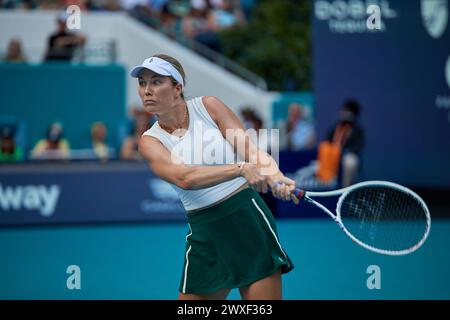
198	177
263	161
248	150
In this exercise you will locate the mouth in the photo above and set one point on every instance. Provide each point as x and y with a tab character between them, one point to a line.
149	102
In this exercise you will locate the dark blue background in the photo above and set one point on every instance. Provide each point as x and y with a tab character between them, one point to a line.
104	193
396	76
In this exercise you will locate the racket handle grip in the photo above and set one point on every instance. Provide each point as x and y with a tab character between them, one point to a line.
297	192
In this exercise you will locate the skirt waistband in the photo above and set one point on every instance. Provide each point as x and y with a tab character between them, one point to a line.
222	209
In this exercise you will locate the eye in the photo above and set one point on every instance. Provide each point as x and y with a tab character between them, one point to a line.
141	83
157	81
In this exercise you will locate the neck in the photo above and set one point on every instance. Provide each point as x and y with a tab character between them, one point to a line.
175	118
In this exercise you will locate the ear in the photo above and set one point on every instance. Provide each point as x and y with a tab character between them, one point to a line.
178	89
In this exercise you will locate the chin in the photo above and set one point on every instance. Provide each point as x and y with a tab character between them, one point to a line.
150	109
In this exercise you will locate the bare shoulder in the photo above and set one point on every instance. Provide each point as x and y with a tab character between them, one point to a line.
215	107
149	146
212	103
210	100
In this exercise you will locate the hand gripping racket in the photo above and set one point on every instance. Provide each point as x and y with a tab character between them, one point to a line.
380	216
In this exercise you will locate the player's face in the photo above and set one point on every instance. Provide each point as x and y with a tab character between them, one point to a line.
157	92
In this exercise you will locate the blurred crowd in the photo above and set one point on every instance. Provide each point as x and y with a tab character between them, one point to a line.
62	45
186	21
338	155
54	145
200	21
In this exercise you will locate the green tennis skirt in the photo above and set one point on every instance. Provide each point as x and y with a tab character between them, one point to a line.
231	245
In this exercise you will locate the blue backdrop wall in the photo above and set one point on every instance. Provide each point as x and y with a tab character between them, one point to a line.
401	76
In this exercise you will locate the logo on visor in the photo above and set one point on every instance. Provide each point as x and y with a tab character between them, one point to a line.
434	16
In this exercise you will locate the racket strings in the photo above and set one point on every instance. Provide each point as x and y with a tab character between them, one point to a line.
384	217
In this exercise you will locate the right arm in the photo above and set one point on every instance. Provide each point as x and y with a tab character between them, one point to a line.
190	177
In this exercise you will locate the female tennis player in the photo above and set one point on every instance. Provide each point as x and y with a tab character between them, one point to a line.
232	240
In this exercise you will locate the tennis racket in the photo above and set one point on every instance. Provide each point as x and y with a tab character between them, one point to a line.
380	216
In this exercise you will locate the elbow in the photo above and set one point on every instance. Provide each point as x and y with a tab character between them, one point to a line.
184	184
187	184
185	181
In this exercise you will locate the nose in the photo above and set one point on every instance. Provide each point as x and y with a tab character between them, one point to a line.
148	91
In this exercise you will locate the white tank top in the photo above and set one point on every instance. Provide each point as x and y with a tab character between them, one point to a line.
202	145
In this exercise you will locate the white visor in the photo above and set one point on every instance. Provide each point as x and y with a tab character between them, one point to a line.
159	66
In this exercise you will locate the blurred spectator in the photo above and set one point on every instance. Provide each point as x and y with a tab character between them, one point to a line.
141	10
168	22
80	3
107	5
300	132
328	162
14	53
224	15
196	27
17	4
208	18
9	151
249	118
50	4
247	7
157	6
349	137
53	146
266	139
98	137
180	8
129	148
62	44
131	4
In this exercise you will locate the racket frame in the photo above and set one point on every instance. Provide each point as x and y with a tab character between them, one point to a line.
306	196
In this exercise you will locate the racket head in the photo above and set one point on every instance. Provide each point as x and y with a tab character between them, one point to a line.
384	217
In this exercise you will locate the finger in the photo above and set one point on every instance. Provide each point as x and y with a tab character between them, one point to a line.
273	184
294	199
287	193
284	192
264	187
275	190
289	182
279	191
276	194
